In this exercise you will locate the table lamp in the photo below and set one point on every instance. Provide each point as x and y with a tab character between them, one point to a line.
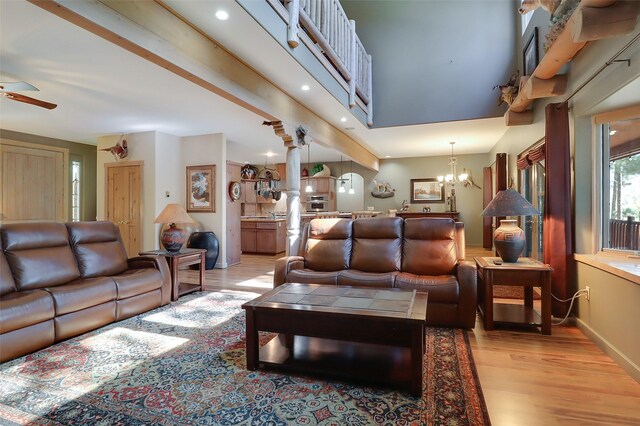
508	238
173	237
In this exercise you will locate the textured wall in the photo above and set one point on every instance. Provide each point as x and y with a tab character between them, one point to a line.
436	60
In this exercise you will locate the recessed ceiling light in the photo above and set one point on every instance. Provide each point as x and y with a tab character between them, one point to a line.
612	132
305	87
343	119
246	162
387	156
222	15
270	154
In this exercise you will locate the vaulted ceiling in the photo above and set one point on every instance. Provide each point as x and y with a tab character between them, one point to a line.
102	89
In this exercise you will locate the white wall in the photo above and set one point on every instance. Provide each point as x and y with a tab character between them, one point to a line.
205	150
141	148
169	176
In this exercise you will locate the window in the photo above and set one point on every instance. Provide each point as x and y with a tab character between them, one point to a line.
524	21
620	182
75	191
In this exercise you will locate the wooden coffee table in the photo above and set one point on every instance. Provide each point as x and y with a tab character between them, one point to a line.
365	334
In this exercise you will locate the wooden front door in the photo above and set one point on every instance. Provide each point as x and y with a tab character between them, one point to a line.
33	183
124	201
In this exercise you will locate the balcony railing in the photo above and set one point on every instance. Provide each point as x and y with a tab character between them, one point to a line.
329	28
624	234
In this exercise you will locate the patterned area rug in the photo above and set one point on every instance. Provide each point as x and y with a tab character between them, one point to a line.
184	364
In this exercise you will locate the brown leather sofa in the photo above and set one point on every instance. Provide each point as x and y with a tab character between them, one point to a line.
424	253
58	281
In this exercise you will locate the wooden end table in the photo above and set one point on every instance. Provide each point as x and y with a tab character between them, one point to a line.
366	334
184	257
527	273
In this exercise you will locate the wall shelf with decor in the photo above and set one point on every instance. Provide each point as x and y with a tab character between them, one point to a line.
592	20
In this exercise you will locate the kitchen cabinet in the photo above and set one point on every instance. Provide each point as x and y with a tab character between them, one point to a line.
325	186
248	237
263	236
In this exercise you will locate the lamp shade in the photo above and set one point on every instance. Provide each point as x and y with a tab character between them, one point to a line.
173	213
509	203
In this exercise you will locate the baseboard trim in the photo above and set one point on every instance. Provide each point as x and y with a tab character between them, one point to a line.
620	358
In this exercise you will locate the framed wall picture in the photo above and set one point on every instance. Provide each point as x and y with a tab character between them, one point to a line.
201	189
426	190
530	56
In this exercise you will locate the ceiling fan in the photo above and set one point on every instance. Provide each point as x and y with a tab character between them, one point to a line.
7	90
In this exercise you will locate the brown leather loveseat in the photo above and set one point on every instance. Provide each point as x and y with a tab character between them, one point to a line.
58	281
423	253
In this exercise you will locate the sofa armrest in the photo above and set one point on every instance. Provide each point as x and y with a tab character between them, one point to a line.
283	266
159	263
468	302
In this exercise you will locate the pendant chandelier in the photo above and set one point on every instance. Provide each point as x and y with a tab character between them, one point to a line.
453	177
351	190
309	188
341	189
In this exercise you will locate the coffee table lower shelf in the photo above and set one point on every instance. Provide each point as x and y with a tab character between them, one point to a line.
339	359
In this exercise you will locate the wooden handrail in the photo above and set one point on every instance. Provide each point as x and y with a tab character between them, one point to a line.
326	22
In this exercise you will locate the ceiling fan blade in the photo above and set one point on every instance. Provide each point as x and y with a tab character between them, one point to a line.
26	99
16	86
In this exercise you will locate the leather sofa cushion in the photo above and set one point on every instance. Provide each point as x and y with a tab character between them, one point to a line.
329	244
429	246
25	308
441	288
7	285
137	281
307	276
377	245
355	278
39	254
98	248
82	294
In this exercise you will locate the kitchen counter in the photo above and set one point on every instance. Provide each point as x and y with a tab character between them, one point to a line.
262	219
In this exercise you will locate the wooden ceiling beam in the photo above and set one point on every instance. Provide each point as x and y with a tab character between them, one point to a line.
512	118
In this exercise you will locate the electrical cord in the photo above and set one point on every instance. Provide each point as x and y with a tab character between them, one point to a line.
573	299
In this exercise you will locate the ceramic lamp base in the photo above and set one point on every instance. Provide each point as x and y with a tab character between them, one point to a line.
172	238
509	240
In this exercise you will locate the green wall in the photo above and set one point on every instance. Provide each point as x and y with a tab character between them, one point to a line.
84	153
399	172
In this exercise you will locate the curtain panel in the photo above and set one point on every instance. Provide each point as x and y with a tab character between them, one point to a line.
557	234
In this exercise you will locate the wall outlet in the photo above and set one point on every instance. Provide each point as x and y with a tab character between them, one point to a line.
588	289
370	208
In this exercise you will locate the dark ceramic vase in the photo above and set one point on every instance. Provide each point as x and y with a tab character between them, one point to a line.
509	240
208	241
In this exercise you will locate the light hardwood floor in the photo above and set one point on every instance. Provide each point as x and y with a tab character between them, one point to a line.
527	378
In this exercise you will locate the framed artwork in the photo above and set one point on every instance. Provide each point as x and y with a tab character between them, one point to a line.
530	57
426	190
201	189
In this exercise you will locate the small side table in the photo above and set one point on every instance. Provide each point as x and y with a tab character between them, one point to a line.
184	257
527	273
